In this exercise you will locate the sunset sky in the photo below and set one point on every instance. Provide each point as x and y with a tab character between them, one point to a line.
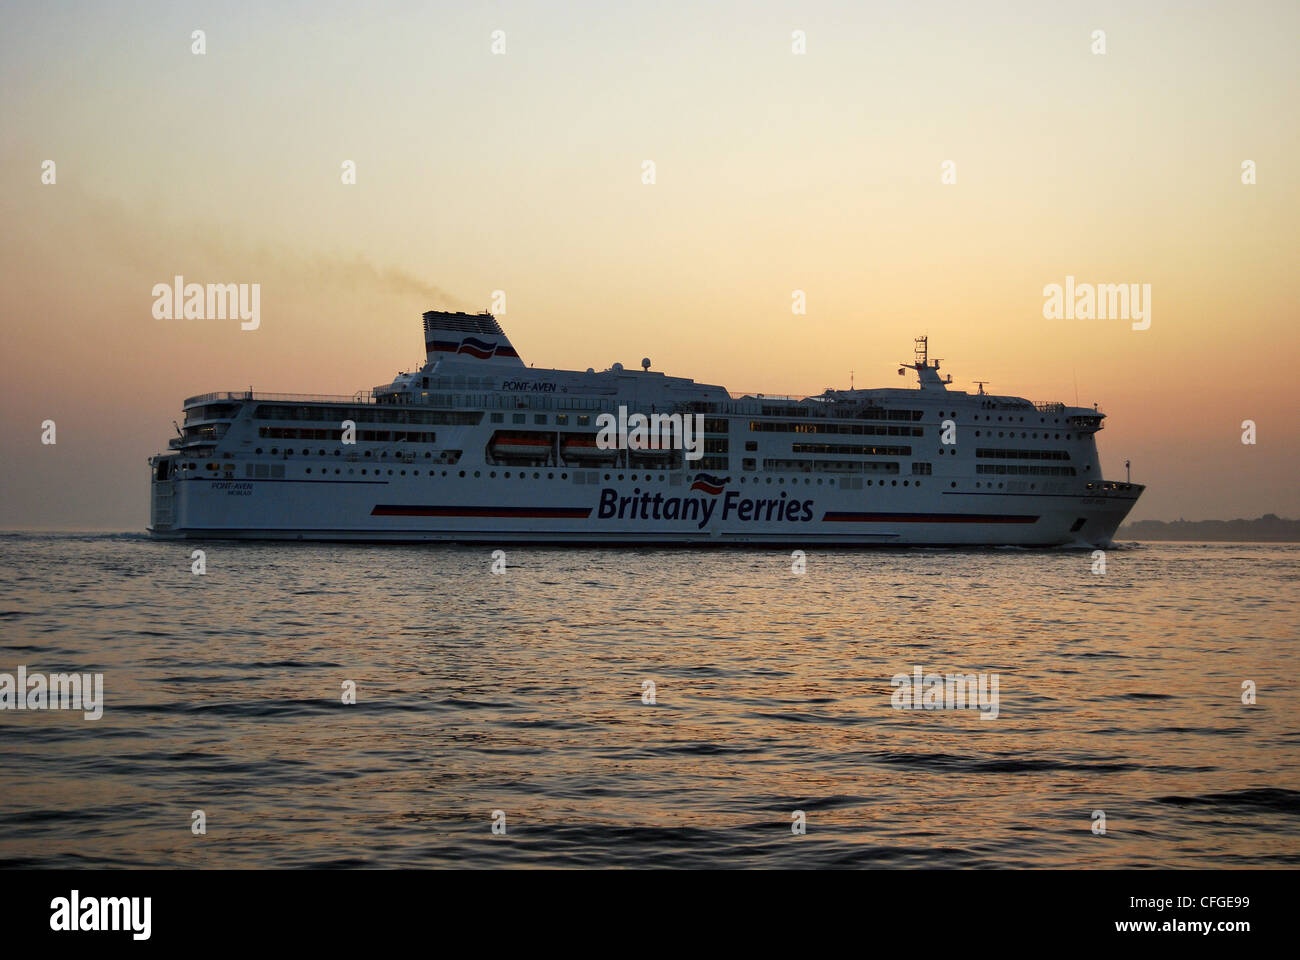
774	172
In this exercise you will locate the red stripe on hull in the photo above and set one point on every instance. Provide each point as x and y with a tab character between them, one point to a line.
842	517
398	510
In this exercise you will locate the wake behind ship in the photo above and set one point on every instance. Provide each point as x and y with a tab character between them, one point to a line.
477	447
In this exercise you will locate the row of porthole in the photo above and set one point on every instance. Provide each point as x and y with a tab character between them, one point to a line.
428	455
1055	436
1021	420
433	473
1022	436
565	476
275	451
1013	436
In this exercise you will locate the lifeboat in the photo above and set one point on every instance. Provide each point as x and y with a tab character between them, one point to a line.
651	457
583	447
521	446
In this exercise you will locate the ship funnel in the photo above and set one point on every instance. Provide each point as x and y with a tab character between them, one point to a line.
472	336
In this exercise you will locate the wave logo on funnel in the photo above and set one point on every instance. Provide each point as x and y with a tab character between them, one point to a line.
707	483
477	348
482	349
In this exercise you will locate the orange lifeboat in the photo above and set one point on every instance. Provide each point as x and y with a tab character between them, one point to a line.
577	446
521	446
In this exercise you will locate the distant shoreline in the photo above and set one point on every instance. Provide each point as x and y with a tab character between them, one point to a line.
1269	528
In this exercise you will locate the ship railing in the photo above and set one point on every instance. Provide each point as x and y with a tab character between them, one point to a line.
780	397
763	406
1053	406
361	396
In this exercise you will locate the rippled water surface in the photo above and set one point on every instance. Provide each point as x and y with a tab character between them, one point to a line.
522	693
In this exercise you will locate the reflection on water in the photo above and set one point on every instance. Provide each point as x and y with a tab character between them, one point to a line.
523	693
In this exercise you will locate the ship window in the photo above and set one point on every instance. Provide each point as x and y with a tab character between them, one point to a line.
539	418
583	421
518	417
498	417
749	464
561	418
751	444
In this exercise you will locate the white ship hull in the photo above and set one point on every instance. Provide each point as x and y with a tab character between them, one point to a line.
422	509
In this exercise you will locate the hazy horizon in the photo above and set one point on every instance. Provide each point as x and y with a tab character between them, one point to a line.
775	172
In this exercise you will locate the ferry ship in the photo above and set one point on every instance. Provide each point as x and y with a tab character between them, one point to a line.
476	447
